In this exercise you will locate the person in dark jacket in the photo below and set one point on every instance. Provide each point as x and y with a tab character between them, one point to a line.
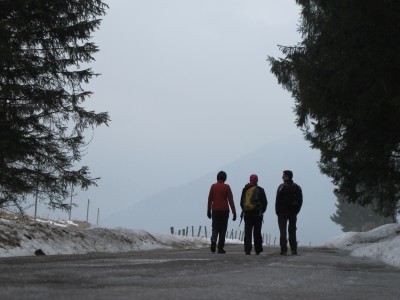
289	199
253	202
220	199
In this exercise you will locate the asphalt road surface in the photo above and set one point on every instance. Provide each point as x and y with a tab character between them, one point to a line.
316	273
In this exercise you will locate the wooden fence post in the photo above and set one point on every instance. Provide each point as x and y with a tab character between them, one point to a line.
198	234
172	230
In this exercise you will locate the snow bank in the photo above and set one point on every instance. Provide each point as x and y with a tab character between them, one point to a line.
24	238
382	243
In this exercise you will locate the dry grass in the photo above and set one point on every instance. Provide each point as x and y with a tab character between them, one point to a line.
20	218
13	217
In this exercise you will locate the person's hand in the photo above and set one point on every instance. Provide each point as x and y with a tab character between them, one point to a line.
209	214
234	217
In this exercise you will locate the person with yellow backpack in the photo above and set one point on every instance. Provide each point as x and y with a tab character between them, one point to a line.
253	202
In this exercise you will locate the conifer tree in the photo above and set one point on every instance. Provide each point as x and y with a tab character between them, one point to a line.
354	217
45	49
344	79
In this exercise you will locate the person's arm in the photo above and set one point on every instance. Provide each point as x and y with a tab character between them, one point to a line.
209	203
230	200
242	200
278	198
300	198
264	200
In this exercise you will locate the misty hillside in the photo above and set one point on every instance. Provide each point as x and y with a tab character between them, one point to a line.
186	205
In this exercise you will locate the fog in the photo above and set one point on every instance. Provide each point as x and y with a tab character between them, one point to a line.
189	91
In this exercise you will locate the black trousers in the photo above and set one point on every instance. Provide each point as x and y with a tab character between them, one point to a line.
252	227
283	220
219	227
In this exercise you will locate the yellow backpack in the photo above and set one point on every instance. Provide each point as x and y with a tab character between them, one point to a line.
252	199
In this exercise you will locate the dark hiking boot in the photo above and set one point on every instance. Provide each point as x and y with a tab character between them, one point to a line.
247	252
283	253
221	251
294	252
213	246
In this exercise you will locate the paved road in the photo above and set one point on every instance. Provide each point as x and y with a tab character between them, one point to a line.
317	273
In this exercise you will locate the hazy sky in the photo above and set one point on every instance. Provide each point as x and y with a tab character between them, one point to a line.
188	90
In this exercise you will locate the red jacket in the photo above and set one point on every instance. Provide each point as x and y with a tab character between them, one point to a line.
220	197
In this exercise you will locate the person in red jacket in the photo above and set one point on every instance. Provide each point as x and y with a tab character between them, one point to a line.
220	199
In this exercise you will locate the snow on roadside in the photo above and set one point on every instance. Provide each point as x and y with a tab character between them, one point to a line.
19	238
382	243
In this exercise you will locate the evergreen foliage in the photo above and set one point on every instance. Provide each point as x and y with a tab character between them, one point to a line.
44	50
354	217
344	77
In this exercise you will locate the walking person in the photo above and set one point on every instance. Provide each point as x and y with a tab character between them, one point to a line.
289	199
220	199
253	202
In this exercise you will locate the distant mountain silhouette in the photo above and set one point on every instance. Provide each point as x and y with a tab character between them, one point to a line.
186	205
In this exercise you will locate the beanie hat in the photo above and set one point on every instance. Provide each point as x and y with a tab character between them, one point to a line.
288	173
253	179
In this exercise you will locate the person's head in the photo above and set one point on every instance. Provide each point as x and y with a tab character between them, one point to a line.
287	175
221	176
253	179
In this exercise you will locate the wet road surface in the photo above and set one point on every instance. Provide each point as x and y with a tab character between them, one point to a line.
316	273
